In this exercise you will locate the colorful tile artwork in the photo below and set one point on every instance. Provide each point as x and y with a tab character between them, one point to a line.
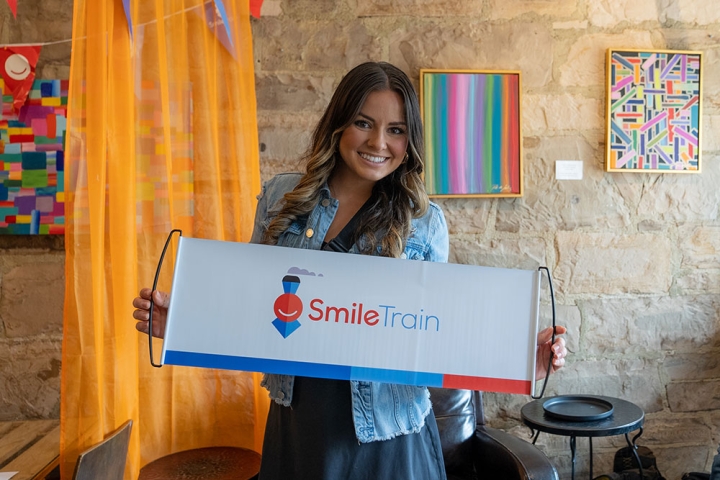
654	111
154	150
32	160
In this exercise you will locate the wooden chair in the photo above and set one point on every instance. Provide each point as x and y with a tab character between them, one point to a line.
107	459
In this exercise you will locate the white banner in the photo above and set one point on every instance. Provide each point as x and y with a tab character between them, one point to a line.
335	315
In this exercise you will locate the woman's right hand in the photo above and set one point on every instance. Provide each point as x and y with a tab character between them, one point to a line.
142	314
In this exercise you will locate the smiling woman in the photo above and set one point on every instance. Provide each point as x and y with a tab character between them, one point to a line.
363	169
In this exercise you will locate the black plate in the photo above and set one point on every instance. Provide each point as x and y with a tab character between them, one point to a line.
578	408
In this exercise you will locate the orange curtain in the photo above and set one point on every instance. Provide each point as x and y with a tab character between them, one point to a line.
162	134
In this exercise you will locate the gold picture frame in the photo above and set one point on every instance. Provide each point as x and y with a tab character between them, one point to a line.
473	132
653	111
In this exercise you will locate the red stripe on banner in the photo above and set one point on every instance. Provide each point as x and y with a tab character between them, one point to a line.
487	384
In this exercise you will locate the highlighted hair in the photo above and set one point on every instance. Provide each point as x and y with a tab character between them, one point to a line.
397	198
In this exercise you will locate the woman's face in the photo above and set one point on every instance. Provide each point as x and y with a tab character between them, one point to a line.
374	145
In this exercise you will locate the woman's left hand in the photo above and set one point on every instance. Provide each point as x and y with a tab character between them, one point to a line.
545	350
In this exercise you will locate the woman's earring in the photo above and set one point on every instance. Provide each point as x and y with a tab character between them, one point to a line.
405	158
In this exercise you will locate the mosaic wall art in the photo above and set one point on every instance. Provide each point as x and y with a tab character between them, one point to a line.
32	162
653	111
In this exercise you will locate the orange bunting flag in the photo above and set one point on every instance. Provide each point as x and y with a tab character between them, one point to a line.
255	7
13	7
17	69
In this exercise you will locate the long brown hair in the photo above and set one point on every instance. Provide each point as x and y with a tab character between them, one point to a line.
397	198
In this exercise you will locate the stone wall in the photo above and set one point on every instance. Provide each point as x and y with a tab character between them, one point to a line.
32	269
634	256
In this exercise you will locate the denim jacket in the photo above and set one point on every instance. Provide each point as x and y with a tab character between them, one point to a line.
381	411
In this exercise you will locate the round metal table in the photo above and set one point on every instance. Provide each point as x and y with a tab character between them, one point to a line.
626	417
212	463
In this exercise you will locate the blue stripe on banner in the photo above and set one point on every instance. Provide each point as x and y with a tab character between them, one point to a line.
397	376
317	370
249	364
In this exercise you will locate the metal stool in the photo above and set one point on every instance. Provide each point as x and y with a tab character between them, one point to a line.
212	463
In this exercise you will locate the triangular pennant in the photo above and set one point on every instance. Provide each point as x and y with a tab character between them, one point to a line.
126	7
255	7
13	7
217	20
17	68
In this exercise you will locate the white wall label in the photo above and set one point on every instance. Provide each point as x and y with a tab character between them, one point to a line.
568	170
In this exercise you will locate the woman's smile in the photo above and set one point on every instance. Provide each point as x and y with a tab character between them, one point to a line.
372	158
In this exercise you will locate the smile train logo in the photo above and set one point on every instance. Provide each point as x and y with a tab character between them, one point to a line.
288	307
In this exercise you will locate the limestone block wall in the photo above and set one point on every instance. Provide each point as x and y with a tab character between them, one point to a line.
32	285
635	257
32	269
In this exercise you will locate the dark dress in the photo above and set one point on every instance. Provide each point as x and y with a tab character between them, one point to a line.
314	439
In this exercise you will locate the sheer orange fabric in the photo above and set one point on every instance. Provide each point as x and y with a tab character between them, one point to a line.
162	134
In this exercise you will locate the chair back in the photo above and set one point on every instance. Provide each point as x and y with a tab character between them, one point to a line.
107	459
458	412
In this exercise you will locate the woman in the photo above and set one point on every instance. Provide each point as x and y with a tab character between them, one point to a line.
366	158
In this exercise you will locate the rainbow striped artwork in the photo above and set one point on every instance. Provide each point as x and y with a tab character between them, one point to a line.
653	111
472	133
32	161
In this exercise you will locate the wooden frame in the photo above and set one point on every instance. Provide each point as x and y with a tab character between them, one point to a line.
473	132
653	111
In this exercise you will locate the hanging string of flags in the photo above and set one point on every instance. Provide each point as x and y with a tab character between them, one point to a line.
18	61
215	17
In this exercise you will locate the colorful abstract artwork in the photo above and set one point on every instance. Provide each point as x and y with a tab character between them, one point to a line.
32	162
473	137
653	111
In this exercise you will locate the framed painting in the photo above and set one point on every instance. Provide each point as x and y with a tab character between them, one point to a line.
473	139
654	111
